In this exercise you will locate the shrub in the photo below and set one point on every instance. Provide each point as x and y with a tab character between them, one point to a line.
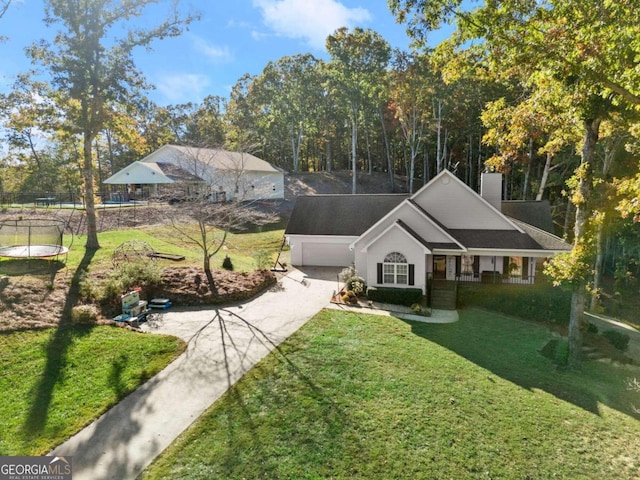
125	277
591	328
535	302
356	284
561	354
617	339
227	264
348	273
84	314
263	259
396	296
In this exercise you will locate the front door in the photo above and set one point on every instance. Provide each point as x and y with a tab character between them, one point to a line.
440	267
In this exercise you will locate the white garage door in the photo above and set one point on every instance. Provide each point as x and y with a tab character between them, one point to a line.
326	254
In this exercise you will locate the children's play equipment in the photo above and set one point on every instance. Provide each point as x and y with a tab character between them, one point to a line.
32	238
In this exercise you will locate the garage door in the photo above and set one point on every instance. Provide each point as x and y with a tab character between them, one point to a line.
326	254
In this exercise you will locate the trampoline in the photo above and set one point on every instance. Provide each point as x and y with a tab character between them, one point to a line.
32	238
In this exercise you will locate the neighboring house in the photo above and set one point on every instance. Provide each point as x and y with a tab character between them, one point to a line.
229	175
147	179
444	231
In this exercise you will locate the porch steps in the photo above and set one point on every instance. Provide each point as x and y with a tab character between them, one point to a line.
443	295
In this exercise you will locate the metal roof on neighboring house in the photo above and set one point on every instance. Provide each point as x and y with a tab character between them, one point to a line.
210	157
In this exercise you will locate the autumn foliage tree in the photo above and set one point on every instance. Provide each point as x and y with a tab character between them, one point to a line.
91	71
590	47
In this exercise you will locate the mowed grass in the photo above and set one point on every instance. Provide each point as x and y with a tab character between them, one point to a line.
241	247
54	382
353	396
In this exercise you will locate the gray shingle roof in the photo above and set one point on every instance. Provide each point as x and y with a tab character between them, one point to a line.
352	215
347	215
496	239
430	245
536	213
546	240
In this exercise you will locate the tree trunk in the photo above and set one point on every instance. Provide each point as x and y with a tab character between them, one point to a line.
598	264
597	269
89	194
527	173
545	177
439	156
207	272
354	143
578	299
387	150
583	212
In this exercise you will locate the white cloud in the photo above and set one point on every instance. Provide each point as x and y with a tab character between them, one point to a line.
183	87
310	20
212	52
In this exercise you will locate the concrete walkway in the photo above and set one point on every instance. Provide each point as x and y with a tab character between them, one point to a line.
223	344
437	316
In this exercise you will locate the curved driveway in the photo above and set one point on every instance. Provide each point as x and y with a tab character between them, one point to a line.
223	344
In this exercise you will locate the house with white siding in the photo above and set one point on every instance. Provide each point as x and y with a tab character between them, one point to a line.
228	175
445	231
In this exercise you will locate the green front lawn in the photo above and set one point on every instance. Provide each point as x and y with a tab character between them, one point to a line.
241	247
359	396
56	381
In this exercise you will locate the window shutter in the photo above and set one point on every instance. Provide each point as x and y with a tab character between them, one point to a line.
525	268
458	266
505	265
380	273
412	274
476	265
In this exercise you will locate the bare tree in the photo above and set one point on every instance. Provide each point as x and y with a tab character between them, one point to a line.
204	218
4	5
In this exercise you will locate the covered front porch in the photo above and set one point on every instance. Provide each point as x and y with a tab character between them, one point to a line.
445	272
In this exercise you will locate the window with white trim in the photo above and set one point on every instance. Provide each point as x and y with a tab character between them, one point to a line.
395	269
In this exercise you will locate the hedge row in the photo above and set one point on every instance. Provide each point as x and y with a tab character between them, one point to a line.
396	296
536	302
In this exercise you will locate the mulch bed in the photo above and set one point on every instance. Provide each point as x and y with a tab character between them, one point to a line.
35	301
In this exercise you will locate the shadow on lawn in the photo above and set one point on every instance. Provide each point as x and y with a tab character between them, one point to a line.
509	348
56	351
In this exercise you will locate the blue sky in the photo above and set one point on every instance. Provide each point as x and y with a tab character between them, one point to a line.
233	37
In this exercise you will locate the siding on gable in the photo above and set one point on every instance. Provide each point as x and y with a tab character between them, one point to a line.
395	240
458	207
414	219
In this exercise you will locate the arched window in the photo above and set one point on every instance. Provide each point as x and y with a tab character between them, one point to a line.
395	269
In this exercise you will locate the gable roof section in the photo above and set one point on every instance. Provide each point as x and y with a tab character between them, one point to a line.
456	206
430	245
210	157
399	215
343	215
139	173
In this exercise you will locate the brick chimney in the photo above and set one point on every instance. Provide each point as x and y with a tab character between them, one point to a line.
491	189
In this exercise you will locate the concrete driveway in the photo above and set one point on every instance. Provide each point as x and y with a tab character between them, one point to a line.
223	344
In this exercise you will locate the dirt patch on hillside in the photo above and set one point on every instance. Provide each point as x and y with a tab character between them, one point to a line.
41	301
